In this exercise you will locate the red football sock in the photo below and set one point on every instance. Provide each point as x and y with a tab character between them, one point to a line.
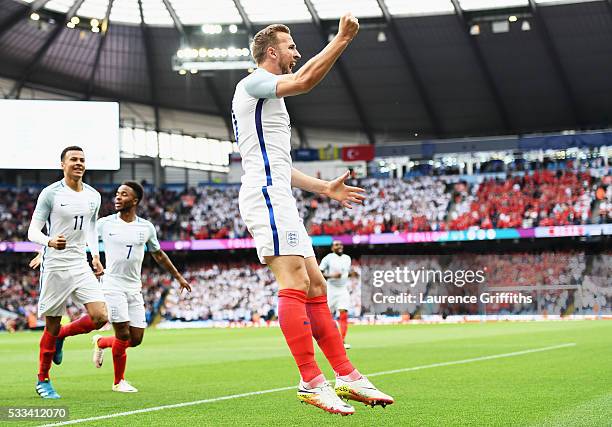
45	356
325	331
119	358
106	342
343	320
82	325
296	328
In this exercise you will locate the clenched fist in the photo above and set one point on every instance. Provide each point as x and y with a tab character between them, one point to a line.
58	242
348	27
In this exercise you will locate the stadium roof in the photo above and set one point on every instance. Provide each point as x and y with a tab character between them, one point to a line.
436	68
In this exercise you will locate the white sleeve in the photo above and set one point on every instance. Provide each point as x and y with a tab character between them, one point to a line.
153	244
92	233
324	263
35	233
261	84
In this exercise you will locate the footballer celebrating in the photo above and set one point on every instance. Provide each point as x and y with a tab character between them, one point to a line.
268	208
125	236
69	208
336	268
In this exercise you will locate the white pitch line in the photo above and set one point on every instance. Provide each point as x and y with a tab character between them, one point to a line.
274	390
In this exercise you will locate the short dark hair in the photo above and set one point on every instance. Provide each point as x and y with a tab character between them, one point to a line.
136	187
71	148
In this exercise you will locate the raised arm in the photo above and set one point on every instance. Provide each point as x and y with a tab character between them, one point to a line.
313	71
335	189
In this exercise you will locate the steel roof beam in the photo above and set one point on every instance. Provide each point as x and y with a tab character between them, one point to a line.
554	56
94	68
344	77
410	65
484	69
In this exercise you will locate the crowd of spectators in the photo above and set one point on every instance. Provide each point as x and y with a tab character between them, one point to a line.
419	204
235	292
544	198
20	287
560	283
424	203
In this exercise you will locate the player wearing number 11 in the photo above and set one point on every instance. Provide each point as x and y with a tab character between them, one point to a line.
69	208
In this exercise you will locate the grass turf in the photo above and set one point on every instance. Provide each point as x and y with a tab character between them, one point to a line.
566	386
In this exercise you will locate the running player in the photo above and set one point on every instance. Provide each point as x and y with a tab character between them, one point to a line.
268	208
125	235
336	268
70	209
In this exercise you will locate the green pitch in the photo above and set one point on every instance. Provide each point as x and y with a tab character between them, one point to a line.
563	385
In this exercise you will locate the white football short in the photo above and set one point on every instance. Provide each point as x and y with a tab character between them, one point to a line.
338	298
80	285
126	307
271	216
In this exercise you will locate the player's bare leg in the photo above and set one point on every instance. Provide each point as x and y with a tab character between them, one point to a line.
46	352
292	277
95	318
350	384
125	336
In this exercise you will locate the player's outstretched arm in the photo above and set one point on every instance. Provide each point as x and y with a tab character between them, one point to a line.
313	71
163	261
335	189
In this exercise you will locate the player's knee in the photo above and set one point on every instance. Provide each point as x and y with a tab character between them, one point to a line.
123	335
99	319
318	287
135	341
301	283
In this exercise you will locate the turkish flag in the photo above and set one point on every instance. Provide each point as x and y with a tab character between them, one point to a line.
358	152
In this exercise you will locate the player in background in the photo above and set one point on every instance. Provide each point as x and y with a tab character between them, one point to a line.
69	208
268	208
336	268
125	235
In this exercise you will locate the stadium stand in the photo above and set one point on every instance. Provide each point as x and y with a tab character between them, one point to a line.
419	204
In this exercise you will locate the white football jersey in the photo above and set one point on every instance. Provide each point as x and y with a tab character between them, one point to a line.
71	213
334	264
124	249
263	131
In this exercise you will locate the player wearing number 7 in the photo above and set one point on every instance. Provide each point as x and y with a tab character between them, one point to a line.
69	208
125	235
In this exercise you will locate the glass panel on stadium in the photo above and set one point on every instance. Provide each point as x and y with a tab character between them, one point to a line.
177	144
419	7
165	148
155	13
333	9
271	11
58	5
191	12
490	4
152	148
127	142
126	11
93	9
202	153
140	142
